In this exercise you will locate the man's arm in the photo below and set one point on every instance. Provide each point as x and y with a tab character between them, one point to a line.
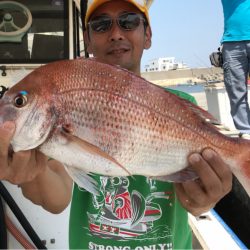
44	182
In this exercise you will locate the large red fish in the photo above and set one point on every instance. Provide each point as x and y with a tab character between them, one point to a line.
97	118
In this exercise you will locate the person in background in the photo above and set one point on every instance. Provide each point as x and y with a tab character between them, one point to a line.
129	212
236	60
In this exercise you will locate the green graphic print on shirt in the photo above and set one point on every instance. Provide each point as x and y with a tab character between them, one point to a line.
129	213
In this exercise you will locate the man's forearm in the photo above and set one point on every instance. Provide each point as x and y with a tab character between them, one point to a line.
51	189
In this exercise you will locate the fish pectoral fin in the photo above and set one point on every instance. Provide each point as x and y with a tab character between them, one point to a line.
83	180
186	174
92	149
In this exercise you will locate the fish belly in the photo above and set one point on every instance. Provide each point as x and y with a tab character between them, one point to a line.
140	159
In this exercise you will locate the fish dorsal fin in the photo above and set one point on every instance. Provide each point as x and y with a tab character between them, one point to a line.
92	149
201	112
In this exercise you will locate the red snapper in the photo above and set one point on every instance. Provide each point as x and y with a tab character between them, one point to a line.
98	118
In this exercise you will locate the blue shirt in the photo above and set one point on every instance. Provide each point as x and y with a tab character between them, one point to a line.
236	20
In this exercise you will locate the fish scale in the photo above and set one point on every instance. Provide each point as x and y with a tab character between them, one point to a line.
98	118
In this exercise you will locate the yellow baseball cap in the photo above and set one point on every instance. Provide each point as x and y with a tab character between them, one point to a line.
142	5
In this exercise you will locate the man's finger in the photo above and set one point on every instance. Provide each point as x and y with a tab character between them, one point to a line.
219	166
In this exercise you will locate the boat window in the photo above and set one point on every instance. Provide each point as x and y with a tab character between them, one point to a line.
79	43
33	31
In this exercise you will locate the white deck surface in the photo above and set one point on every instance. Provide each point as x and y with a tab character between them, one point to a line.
211	233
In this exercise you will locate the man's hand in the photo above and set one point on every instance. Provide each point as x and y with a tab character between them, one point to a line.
44	183
215	181
20	167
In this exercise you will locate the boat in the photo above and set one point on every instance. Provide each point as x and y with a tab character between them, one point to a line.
51	30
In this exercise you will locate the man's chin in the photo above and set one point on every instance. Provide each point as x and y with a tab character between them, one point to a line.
120	61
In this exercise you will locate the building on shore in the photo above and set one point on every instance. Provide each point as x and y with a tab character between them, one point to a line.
164	64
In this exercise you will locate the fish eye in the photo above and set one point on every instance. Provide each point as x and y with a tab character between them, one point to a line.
20	100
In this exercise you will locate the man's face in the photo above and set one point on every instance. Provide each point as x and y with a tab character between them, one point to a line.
117	46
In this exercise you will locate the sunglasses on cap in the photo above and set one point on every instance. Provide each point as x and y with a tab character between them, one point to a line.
126	21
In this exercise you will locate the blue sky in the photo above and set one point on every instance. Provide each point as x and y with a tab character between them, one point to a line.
189	30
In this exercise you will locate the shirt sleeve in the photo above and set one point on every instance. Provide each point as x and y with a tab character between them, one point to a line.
183	95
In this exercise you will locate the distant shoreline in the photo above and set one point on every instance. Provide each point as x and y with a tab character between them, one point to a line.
192	76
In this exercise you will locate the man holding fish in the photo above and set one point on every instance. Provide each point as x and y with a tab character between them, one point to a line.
128	212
